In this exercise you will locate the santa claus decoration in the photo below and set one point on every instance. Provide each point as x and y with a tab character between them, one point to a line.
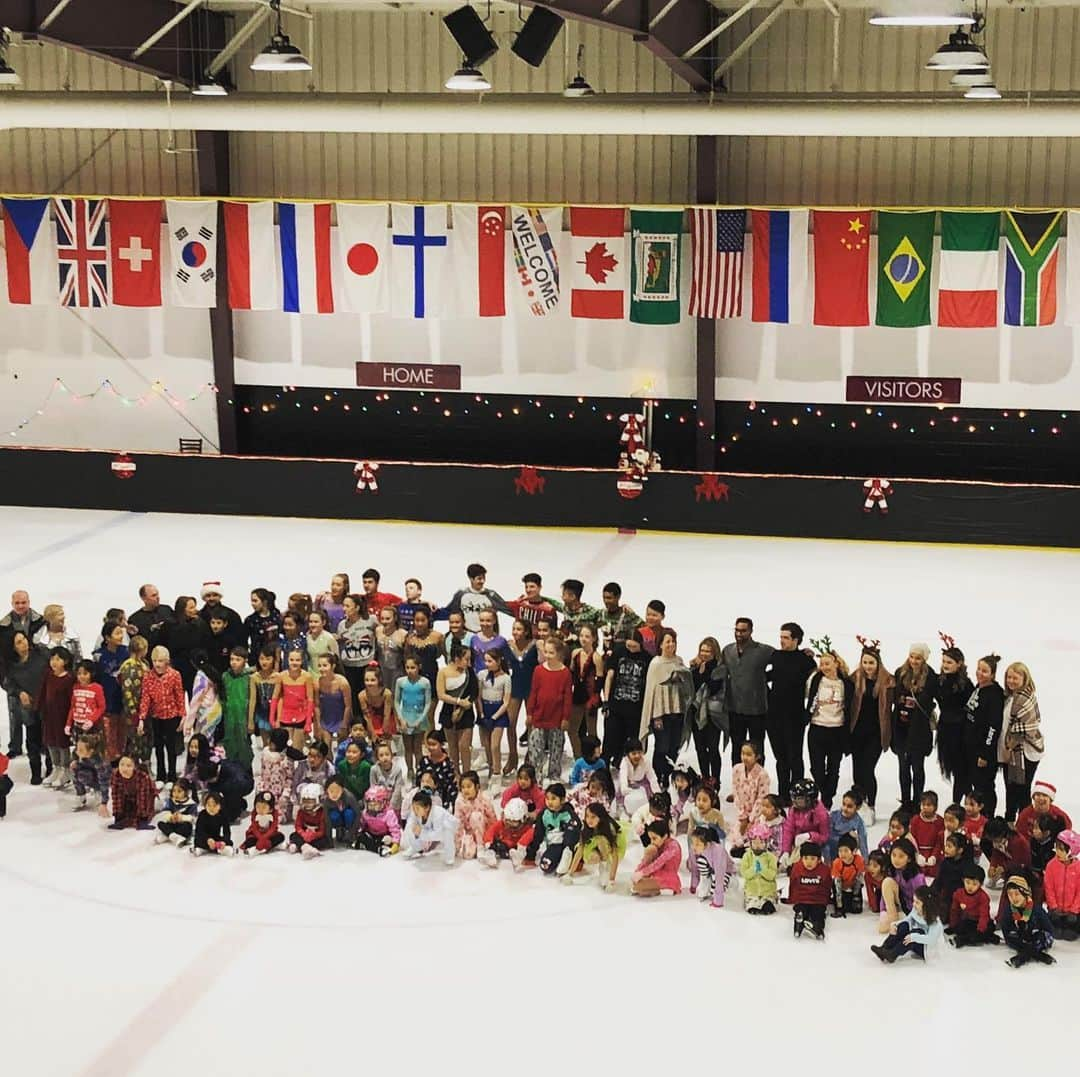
122	466
877	493
365	476
636	460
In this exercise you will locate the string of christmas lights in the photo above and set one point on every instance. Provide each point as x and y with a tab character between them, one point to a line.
61	390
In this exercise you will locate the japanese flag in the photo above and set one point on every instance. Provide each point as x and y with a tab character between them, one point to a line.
363	261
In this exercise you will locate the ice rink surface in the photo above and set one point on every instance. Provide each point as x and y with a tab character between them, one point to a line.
121	958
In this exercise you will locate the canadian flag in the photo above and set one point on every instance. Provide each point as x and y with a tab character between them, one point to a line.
135	252
597	262
479	259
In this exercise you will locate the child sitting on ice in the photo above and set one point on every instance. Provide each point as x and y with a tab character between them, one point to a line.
589	760
598	788
970	923
380	829
758	868
710	866
526	789
809	890
684	781
388	771
915	933
277	766
899	827
772	817
508	838
928	833
807	821
90	773
342	812
354	771
176	822
846	820
132	794
603	843
428	828
212	831
311	831
848	868
556	833
658	806
263	833
475	813
425	783
637	779
658	871
314	768
1025	925
1062	884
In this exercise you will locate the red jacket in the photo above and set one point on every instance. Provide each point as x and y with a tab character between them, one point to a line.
262	835
1062	885
1029	815
1017	854
533	796
162	695
809	886
929	837
87	708
499	831
310	825
550	698
967	906
141	787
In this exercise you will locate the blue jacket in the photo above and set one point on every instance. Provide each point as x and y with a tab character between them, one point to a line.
922	932
581	770
838	827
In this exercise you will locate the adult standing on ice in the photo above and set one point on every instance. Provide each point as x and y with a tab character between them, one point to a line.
1021	745
985	709
152	618
210	593
912	724
786	720
748	688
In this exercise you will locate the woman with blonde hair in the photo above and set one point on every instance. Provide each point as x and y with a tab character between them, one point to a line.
869	725
1021	745
829	697
912	725
55	633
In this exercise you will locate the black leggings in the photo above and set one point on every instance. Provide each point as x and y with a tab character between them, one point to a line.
865	753
786	736
953	761
165	731
666	741
1018	794
620	725
912	768
707	745
826	754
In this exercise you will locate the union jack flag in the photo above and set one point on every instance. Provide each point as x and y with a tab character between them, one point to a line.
82	251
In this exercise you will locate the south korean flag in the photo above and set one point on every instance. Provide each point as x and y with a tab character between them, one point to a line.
193	253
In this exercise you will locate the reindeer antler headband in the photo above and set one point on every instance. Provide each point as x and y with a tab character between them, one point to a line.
822	646
870	644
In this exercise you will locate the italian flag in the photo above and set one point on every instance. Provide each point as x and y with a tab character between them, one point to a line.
968	285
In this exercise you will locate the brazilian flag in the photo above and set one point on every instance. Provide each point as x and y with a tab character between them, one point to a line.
905	251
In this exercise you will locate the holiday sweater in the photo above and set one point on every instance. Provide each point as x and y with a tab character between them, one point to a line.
1061	882
929	838
261	830
87	708
550	698
967	906
162	695
131	676
809	886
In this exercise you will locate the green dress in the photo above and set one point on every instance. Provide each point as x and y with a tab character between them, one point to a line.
237	740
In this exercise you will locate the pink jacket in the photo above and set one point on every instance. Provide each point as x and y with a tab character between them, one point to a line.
474	816
750	788
663	865
381	824
1062	886
814	822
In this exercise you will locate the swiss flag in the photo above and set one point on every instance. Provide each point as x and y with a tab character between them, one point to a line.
597	262
135	252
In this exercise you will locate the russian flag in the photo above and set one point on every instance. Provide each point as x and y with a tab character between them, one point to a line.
30	251
780	263
306	285
249	248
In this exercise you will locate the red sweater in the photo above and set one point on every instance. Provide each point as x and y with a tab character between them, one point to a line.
162	696
809	886
967	906
1029	815
262	835
513	839
533	796
87	708
310	825
929	836
550	698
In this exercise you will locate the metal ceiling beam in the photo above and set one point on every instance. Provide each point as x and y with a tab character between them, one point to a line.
162	30
750	40
668	39
716	31
114	31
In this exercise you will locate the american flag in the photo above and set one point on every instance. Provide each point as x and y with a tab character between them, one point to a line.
716	246
82	251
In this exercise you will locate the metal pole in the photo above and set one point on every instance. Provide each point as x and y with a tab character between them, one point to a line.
751	39
717	31
158	34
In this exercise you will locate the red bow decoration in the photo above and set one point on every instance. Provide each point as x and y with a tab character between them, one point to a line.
529	481
365	476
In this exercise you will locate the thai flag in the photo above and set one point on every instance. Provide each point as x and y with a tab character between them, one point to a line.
779	264
249	249
29	250
306	285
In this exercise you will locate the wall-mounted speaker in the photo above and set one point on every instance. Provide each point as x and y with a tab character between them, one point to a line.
472	36
536	37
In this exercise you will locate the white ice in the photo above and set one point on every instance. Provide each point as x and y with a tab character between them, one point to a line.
121	958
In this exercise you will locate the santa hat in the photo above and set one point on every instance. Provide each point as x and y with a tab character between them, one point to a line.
1045	788
210	587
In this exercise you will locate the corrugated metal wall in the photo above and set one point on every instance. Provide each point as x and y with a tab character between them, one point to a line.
92	161
412	51
1035	48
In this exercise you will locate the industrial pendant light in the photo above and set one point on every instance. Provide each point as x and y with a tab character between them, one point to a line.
920	13
8	75
957	53
208	86
578	86
281	54
467	79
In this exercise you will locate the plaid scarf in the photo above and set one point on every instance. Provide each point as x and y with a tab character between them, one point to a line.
1023	729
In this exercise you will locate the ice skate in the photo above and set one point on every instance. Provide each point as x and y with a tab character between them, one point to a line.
309	852
178	840
517	858
160	839
564	862
80	804
488	858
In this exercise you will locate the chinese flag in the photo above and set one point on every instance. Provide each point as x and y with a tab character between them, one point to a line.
841	267
135	252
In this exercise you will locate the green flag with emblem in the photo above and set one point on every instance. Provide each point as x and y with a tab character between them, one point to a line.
655	236
905	251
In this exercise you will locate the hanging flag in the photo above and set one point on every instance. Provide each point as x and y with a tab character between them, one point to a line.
1072	277
968	281
1031	258
597	262
192	253
363	251
306	275
29	251
135	252
717	240
479	259
417	258
655	236
841	267
249	252
905	250
536	261
82	252
780	264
